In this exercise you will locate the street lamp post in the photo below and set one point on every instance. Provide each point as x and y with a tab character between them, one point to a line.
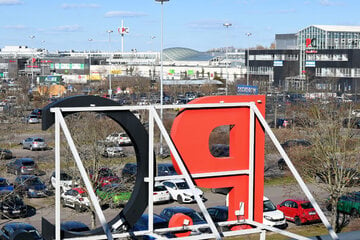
227	25
32	66
110	58
247	60
90	40
161	66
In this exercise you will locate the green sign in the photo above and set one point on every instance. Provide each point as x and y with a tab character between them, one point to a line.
1	74
190	72
172	71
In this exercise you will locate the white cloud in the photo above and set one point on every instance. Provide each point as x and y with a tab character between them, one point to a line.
81	5
15	27
329	3
11	2
67	28
124	14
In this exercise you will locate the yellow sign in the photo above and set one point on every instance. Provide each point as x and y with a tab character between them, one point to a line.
116	71
95	77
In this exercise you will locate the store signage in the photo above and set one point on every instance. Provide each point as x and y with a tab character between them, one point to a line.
278	63
310	42
247	89
310	64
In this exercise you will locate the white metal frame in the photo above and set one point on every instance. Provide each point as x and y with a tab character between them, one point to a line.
155	119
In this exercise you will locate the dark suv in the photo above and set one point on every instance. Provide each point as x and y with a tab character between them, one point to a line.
21	166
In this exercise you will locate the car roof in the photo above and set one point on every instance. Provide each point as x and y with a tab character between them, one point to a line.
165	164
73	224
26	159
19	225
79	190
175	180
180	209
299	201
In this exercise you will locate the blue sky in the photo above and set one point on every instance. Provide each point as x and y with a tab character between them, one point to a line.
196	24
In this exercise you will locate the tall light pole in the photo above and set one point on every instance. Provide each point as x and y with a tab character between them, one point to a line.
110	90
32	65
90	40
161	67
247	59
227	25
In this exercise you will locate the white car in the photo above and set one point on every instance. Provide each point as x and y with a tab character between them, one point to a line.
273	217
66	181
114	152
180	191
161	194
119	138
75	198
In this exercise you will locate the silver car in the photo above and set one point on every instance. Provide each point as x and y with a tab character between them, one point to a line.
34	143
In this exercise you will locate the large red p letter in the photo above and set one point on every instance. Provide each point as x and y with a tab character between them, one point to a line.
190	133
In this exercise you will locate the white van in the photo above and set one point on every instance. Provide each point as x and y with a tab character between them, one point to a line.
273	217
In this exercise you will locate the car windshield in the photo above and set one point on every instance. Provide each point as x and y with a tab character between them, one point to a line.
28	163
34	181
14	200
306	205
4	183
195	217
182	185
172	170
38	140
269	206
159	188
65	177
35	234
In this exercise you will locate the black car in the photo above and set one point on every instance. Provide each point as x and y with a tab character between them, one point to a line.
22	166
74	226
30	186
5	154
219	214
10	230
219	150
12	206
37	112
143	224
166	169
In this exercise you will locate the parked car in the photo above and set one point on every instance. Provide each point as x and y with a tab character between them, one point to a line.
298	211
12	206
104	176
32	119
350	204
180	191
129	170
5	154
160	194
5	186
220	150
166	169
30	186
354	122
283	123
290	144
114	194
272	216
351	176
34	143
9	230
168	212
115	151
66	181
219	214
22	166
120	138
143	224
74	226
37	112
75	198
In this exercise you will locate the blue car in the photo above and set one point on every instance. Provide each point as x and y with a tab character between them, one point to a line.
5	185
31	186
10	230
167	213
142	224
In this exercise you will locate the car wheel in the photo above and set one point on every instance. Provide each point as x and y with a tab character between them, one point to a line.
31	148
179	199
62	201
354	213
24	214
297	221
329	207
78	208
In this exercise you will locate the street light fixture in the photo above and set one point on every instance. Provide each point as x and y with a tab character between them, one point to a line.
90	40
32	65
247	60
110	58
161	66
227	25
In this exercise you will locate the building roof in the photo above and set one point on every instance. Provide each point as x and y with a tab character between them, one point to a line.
185	54
338	28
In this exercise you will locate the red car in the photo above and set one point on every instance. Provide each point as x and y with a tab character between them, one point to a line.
104	176
298	211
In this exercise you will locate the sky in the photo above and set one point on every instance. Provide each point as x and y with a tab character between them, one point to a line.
196	24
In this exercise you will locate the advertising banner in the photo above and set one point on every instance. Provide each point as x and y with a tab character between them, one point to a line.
247	89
